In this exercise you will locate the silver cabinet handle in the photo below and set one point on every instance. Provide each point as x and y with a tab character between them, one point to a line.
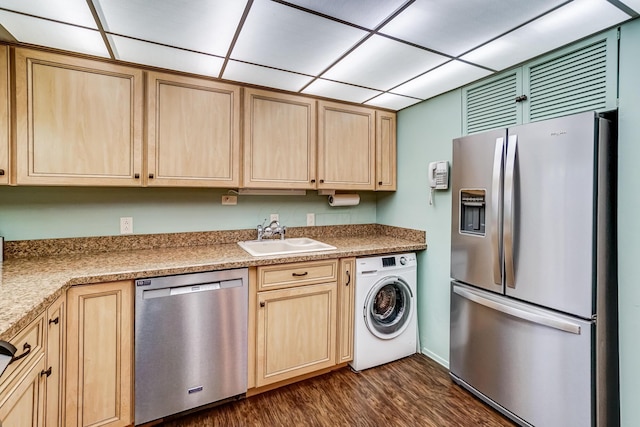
520	313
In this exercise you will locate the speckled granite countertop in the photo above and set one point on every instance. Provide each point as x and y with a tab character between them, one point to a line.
28	285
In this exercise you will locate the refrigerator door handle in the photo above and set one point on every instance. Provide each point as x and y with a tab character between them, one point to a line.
509	197
520	313
495	210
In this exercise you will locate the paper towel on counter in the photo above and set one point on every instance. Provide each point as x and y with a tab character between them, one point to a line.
344	200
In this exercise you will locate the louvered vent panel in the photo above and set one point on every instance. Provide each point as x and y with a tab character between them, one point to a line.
570	84
492	105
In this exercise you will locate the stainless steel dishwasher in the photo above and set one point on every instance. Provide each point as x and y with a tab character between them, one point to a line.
190	341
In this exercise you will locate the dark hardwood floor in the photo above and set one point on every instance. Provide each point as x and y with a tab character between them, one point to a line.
414	391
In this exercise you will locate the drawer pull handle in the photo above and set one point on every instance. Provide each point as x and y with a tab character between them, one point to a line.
1	172
150	176
27	350
136	176
54	321
348	278
262	304
47	372
300	274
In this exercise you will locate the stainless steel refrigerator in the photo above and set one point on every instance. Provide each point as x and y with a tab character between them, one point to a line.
533	263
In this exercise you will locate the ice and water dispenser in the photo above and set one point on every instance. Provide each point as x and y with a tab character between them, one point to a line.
472	211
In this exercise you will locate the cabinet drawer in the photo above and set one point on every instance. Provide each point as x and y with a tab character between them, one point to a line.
29	342
297	274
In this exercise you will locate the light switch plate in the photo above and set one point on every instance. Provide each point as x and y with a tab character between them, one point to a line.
311	219
274	217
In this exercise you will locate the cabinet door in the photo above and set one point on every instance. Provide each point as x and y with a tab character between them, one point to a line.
296	332
385	151
346	147
346	308
78	121
279	141
54	390
99	374
4	115
23	405
193	131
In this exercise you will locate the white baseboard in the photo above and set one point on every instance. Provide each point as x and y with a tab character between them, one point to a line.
435	357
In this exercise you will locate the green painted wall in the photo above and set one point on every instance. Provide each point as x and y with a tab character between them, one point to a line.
52	212
628	224
425	132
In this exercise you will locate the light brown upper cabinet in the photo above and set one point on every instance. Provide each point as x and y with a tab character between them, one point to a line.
385	151
193	131
4	115
78	121
346	147
279	141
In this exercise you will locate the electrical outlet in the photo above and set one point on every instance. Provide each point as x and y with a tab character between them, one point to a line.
126	225
274	217
311	219
229	200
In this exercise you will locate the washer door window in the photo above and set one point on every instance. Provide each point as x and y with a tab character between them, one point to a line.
388	307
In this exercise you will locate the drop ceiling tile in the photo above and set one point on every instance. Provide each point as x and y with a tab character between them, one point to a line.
572	22
366	13
392	101
41	32
449	76
155	55
382	63
206	26
282	37
340	91
263	76
633	4
454	27
70	11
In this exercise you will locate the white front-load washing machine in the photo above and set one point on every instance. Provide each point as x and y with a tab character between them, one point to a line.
386	324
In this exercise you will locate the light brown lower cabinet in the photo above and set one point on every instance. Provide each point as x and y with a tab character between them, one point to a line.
22	405
295	332
99	357
296	320
22	385
346	307
54	368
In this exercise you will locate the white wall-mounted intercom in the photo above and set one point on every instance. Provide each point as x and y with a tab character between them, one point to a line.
438	177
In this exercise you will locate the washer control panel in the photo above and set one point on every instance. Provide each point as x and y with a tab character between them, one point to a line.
370	265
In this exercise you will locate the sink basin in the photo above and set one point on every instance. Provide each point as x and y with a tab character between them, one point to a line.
282	247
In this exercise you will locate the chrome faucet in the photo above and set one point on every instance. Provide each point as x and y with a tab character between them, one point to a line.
271	230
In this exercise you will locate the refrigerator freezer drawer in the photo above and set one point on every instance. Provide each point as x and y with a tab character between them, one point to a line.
533	363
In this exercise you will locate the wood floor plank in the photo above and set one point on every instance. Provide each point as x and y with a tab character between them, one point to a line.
414	391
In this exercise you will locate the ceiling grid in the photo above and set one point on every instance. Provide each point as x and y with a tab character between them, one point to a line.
383	53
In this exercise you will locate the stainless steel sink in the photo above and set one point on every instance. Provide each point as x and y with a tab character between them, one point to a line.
284	247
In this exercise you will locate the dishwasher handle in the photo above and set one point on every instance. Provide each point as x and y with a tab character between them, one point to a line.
191	289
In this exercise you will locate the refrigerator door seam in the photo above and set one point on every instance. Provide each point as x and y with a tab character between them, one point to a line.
540	319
